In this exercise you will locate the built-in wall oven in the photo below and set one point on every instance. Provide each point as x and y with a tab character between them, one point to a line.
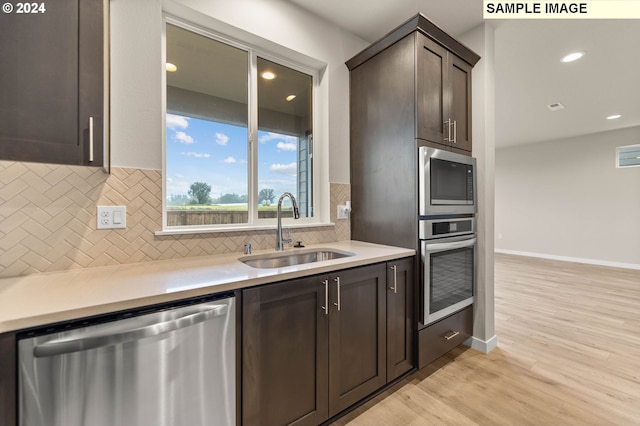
447	201
448	248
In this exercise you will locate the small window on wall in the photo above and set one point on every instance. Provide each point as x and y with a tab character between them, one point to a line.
239	133
628	156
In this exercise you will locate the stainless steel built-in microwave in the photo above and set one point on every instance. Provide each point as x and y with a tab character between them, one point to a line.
447	183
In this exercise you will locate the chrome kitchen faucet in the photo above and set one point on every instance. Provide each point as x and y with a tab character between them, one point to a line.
296	215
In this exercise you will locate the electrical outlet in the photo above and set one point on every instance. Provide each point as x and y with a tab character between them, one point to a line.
112	217
343	212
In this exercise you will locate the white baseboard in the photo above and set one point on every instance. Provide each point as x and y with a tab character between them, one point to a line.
571	259
481	345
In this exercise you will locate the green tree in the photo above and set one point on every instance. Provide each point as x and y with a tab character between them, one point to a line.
179	200
200	192
266	194
232	199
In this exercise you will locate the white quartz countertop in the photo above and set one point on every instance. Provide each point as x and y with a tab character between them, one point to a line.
39	299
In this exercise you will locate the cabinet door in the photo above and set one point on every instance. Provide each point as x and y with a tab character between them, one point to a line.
460	102
357	335
284	363
52	82
401	324
431	98
8	379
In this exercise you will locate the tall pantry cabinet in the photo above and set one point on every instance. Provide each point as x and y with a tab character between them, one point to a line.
412	88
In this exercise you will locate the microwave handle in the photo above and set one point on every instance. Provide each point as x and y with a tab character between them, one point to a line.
450	246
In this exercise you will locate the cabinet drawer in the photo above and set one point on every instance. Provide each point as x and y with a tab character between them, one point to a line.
432	340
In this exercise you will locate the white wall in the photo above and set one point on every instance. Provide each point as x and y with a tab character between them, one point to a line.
482	40
566	199
136	71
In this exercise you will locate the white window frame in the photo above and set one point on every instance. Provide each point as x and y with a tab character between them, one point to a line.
320	173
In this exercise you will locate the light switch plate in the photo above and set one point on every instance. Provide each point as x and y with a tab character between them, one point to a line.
112	217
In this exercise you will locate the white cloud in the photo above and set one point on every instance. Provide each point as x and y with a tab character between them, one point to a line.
222	139
287	146
285	169
177	122
184	138
270	136
179	175
229	160
196	154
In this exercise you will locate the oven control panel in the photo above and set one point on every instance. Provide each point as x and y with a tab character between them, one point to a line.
439	228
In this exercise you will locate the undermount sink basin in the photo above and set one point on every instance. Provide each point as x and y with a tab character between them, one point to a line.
289	258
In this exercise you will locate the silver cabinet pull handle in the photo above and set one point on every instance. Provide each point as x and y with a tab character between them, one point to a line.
91	139
394	268
326	297
455	131
98	340
447	137
337	280
450	335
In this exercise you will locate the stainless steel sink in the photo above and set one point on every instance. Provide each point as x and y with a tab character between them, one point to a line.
298	257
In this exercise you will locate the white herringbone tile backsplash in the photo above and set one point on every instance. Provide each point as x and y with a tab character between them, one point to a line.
48	220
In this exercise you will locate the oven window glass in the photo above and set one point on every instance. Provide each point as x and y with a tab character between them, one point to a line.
450	181
451	278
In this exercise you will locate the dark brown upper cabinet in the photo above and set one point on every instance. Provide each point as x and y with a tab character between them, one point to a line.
415	83
52	85
443	107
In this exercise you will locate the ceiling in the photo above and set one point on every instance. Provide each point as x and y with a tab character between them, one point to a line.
529	74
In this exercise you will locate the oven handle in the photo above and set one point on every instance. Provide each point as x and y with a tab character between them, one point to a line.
450	246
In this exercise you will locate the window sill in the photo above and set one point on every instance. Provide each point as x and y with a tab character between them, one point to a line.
236	228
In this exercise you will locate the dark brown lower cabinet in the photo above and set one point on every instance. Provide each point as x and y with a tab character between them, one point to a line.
313	346
357	335
8	379
440	337
401	321
285	354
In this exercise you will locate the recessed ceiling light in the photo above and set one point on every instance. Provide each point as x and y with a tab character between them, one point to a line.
268	75
574	56
290	98
171	67
614	117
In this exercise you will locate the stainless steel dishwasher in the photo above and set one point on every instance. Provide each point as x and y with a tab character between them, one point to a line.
170	366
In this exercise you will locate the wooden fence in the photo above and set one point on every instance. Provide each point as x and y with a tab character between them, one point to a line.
214	217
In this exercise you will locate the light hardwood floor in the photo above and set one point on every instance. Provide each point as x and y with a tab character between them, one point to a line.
568	354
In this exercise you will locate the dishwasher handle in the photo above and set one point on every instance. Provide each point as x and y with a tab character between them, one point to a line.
98	340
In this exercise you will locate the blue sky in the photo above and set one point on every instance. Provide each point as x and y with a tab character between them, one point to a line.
216	153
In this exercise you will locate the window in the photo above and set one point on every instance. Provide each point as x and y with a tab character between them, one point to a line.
628	156
238	133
